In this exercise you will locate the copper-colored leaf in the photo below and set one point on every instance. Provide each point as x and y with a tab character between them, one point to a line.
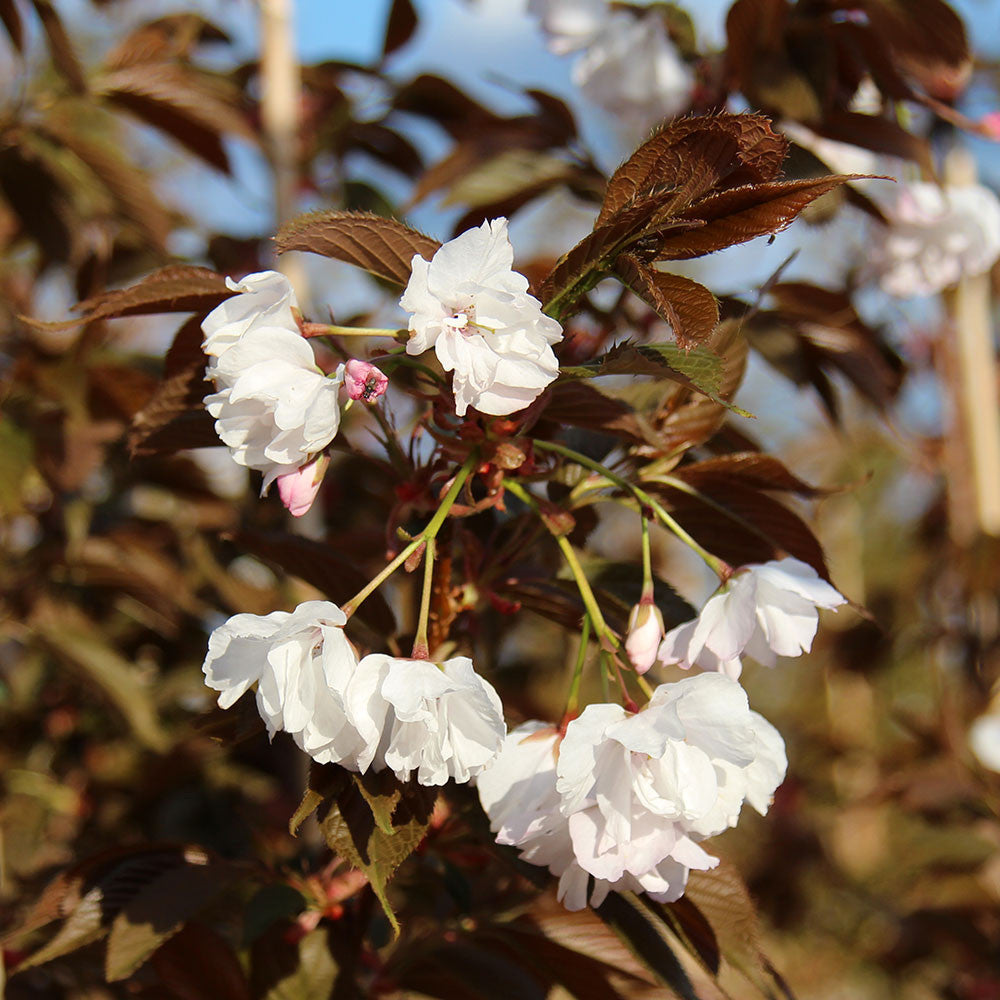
878	134
198	964
764	472
577	404
692	155
743	214
689	307
166	38
384	247
177	288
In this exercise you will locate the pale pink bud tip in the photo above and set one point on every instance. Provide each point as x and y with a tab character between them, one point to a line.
645	630
990	124
298	489
364	381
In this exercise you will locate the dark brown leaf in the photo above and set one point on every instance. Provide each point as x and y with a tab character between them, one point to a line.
384	247
689	307
11	17
743	214
738	523
577	404
399	27
877	134
763	472
197	964
126	183
194	108
321	565
166	38
60	47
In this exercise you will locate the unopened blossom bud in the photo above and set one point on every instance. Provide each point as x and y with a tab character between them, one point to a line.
364	381
645	630
298	489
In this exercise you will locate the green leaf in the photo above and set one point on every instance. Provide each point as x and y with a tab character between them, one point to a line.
356	828
17	454
697	368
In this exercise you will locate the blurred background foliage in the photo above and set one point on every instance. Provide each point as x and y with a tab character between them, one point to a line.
165	824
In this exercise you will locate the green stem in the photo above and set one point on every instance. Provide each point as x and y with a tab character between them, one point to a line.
425	536
421	651
359	331
573	698
647	560
718	565
586	594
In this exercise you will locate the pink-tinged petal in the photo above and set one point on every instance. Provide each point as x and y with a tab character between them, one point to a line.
645	630
300	488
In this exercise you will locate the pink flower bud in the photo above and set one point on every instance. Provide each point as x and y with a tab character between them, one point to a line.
363	380
645	630
990	125
298	489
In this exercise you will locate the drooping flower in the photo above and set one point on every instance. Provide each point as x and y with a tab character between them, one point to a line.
363	380
274	408
518	794
937	236
764	611
267	299
302	664
645	630
640	789
469	304
441	720
299	489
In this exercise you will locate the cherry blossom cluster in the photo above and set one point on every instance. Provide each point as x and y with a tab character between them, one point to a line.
616	797
437	721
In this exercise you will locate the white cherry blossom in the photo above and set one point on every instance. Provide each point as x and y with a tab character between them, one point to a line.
639	790
518	793
441	720
267	299
301	663
633	71
937	236
469	304
984	739
570	24
763	611
274	408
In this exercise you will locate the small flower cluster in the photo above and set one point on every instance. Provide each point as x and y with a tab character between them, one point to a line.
274	408
625	798
627	64
438	721
277	411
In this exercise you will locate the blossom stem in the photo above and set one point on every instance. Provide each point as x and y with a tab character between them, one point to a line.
330	330
421	650
586	594
647	560
426	536
573	698
718	565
